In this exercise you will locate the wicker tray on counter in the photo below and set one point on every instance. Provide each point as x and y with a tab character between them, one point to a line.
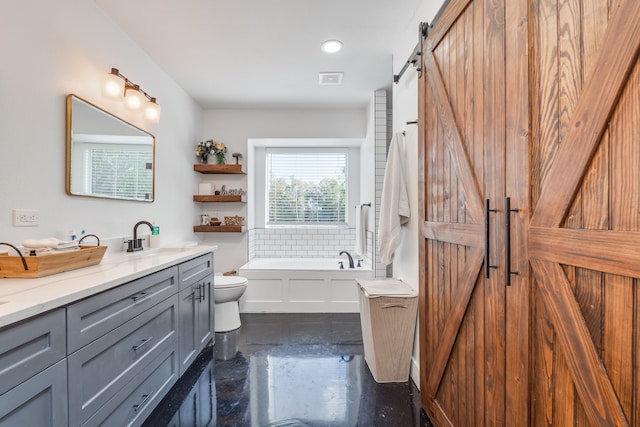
50	263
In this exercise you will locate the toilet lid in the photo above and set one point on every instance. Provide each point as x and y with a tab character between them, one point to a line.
228	281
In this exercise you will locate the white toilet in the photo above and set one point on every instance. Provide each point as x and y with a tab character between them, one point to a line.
227	291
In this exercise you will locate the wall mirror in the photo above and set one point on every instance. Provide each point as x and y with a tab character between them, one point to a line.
106	156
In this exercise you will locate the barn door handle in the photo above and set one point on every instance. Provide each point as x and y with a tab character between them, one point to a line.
487	233
507	241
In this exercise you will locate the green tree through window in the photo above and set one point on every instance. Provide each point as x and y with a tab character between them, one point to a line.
307	187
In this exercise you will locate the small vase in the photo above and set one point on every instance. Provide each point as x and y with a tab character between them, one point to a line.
203	159
220	158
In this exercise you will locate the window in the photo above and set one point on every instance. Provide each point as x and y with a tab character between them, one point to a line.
306	186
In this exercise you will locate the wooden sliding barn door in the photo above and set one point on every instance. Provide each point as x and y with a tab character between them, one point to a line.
474	327
584	239
536	102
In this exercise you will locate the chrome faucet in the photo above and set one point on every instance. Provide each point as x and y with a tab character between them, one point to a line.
135	244
350	258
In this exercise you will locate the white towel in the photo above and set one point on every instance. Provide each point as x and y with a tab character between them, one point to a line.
50	243
361	231
394	204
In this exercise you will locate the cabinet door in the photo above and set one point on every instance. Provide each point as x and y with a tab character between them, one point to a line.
93	317
191	271
473	344
188	337
29	347
98	371
205	312
584	239
40	401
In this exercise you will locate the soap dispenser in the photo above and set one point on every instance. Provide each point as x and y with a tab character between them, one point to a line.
154	238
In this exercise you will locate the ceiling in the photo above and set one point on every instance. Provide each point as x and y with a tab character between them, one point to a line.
266	53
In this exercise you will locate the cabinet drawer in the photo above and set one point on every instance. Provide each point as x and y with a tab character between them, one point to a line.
133	404
195	269
95	316
40	401
100	369
30	347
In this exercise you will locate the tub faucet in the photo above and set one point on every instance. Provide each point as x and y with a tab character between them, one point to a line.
136	244
350	258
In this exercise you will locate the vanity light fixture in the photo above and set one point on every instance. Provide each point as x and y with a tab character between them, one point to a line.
331	46
118	86
133	97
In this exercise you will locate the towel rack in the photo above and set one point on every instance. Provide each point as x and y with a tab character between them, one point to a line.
364	204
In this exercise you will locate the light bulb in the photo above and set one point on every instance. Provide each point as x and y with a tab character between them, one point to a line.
113	85
133	97
152	111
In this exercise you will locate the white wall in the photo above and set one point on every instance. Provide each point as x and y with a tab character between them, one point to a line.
405	108
48	50
235	127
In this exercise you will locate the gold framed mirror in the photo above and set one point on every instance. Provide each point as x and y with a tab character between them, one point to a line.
107	157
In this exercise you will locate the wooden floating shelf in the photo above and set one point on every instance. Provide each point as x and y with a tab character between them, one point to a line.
218	169
212	198
219	229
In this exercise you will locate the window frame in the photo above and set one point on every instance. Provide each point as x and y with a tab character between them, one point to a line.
256	165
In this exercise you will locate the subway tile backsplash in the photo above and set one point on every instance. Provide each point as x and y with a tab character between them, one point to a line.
303	242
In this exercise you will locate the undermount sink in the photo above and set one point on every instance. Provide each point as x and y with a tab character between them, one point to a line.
157	252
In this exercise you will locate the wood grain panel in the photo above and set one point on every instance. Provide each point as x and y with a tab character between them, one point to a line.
615	252
495	123
456	233
517	307
476	32
454	141
452	326
594	387
544	89
625	198
542	365
594	107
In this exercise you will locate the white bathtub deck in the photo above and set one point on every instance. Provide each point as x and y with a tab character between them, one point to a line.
300	286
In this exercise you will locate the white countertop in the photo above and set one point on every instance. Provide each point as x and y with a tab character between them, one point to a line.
23	298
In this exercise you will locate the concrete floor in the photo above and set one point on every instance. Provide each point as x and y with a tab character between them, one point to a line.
288	370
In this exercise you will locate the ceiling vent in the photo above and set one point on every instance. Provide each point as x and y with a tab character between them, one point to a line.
332	78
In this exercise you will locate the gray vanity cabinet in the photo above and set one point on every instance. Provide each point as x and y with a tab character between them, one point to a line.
93	317
39	401
196	308
33	378
134	402
110	358
102	368
27	348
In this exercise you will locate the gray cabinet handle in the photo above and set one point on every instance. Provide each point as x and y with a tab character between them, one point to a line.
139	346
145	397
139	296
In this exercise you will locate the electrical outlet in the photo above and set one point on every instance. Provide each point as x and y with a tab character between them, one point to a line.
26	217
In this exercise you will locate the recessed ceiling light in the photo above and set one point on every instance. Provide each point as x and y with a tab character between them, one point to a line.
331	46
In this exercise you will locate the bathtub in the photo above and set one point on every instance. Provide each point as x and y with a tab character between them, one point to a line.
301	285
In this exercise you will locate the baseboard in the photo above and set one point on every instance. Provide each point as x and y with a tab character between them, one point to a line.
415	372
